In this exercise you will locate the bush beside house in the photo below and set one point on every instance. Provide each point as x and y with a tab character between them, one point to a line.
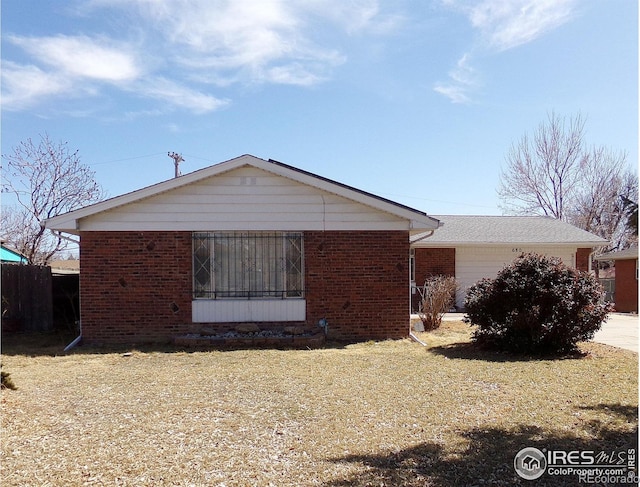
536	305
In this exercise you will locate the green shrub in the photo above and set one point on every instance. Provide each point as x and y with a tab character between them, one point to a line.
536	305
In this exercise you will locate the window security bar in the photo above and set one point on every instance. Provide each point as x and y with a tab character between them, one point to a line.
248	265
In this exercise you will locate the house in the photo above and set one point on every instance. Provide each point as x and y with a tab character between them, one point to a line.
10	256
625	295
244	241
474	247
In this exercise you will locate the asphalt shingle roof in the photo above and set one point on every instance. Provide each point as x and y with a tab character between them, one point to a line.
470	229
631	253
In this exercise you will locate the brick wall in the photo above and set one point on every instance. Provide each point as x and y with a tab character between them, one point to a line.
359	282
626	298
582	259
135	286
431	262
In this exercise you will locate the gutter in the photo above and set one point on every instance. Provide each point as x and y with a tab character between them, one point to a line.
423	237
431	232
63	237
411	335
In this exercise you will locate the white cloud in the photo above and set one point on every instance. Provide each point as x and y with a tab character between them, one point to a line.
81	56
178	96
25	85
238	33
292	75
462	81
231	41
506	24
355	16
80	64
242	40
501	25
455	93
187	46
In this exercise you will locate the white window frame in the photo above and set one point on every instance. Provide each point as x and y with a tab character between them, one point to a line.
249	305
248	265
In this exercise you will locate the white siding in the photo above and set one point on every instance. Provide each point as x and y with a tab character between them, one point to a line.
246	198
474	263
240	310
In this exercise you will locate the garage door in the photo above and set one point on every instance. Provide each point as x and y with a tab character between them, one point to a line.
475	263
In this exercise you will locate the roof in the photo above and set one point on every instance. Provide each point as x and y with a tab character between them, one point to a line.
65	267
631	253
9	255
417	221
472	229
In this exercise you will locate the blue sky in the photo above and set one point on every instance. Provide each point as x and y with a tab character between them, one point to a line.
414	100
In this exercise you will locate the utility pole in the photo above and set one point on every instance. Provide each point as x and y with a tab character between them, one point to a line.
177	159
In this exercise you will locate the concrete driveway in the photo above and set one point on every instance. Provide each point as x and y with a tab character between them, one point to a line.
620	330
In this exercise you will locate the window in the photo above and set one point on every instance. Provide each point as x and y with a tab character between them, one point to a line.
248	265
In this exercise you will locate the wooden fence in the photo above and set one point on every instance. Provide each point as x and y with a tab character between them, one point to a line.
27	304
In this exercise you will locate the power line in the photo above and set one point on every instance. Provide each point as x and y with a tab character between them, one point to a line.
434	201
202	158
126	159
174	155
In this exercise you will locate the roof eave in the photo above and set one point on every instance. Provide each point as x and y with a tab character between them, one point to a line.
435	243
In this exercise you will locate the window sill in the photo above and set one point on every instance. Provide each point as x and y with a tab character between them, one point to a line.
248	310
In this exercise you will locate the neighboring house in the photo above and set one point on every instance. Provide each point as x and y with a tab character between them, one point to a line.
66	267
243	241
474	247
9	256
626	278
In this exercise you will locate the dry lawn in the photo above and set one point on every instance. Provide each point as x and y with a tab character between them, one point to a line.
385	414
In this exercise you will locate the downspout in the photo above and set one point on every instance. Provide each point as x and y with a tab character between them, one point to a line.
411	334
77	339
591	254
415	338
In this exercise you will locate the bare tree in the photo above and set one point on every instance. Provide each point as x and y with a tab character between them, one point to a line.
555	174
631	211
598	205
542	173
46	179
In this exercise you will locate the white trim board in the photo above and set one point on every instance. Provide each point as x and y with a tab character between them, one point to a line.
248	310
